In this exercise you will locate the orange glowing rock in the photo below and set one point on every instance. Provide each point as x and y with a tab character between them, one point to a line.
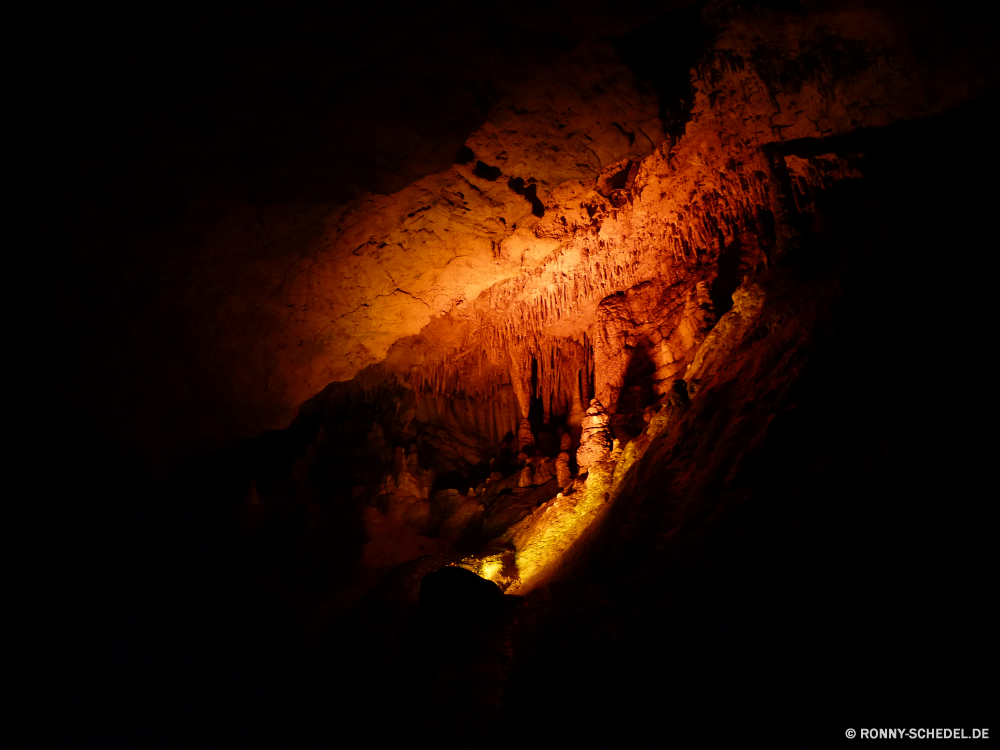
524	435
546	471
563	475
456	280
595	443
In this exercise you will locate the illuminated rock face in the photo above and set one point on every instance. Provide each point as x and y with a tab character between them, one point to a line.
563	475
672	365
570	243
595	444
561	281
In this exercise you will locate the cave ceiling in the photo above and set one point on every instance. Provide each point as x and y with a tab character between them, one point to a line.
255	202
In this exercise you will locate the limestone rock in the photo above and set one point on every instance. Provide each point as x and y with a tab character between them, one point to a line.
693	386
460	519
673	401
392	541
369	242
546	471
595	442
616	451
418	516
525	437
563	475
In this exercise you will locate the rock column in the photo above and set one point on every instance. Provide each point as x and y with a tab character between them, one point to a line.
595	442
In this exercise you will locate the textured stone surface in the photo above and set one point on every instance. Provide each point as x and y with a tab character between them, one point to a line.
546	471
524	435
563	475
245	285
761	507
595	444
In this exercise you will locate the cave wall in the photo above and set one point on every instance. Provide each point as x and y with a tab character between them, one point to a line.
566	189
625	281
819	498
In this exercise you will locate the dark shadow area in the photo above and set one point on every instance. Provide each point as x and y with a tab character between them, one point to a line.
661	53
530	194
728	278
617	180
487	172
636	394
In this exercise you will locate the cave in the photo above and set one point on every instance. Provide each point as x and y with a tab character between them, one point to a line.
496	374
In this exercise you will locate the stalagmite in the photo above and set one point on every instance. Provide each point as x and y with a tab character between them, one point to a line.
595	441
525	437
525	476
563	476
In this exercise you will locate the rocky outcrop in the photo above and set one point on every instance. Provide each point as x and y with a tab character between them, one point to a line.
645	336
753	313
358	241
614	270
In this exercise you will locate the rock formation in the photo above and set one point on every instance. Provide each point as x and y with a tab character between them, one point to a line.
458	521
396	268
566	192
616	451
546	470
525	438
595	444
399	518
563	474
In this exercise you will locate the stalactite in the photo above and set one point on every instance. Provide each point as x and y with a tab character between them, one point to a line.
513	321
